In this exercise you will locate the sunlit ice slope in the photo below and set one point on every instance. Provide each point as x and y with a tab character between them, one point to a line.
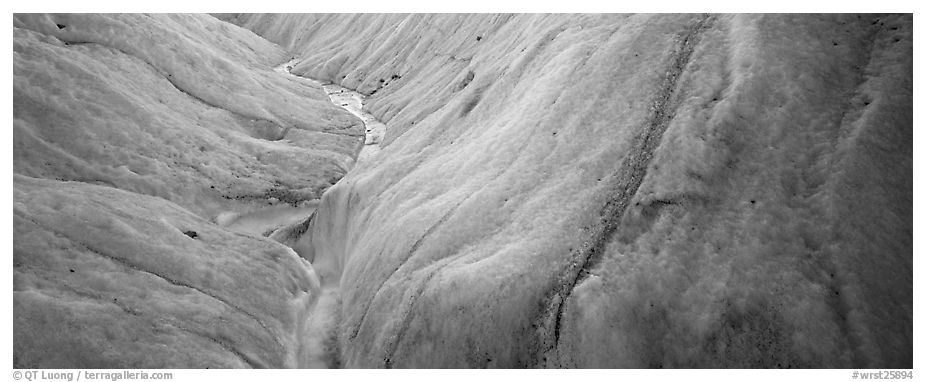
130	134
619	190
183	107
105	278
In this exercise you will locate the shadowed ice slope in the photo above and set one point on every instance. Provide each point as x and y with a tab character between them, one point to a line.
175	120
619	190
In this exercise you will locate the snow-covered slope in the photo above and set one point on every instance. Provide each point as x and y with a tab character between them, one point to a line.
620	190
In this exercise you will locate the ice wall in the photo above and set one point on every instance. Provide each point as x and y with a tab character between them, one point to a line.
620	190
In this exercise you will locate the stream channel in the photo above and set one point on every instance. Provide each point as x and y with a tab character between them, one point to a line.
266	221
318	345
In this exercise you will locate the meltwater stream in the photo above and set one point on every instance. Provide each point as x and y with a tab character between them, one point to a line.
318	346
267	220
351	101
